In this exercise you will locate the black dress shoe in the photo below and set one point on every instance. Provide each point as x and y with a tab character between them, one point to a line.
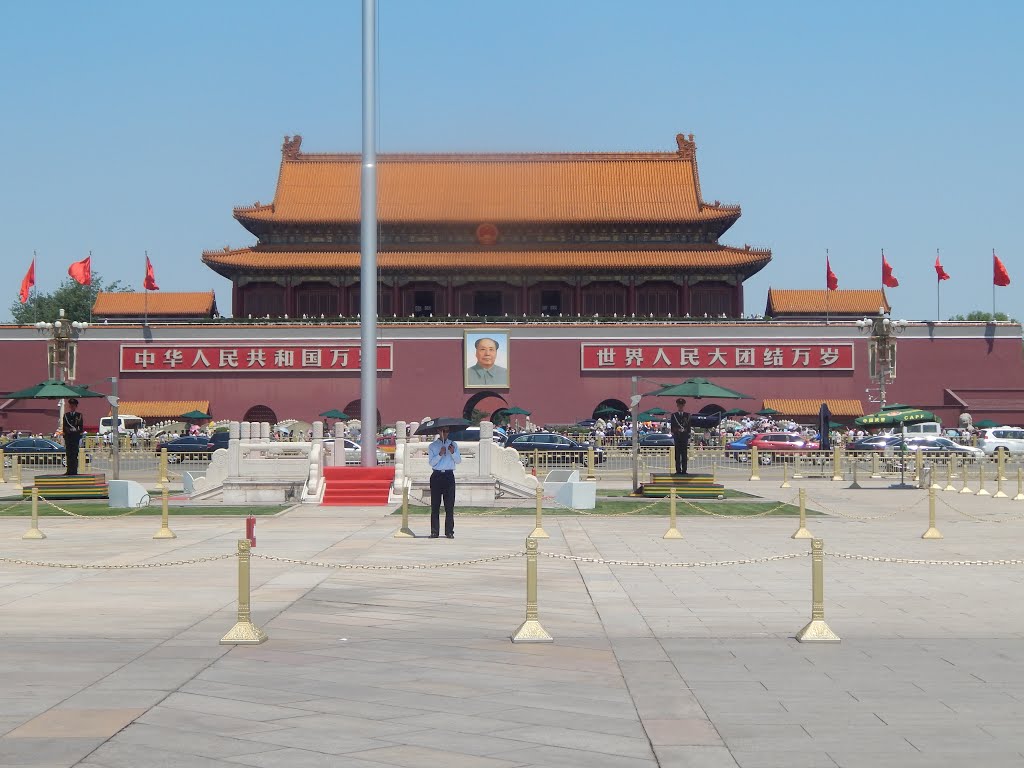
433	535
449	535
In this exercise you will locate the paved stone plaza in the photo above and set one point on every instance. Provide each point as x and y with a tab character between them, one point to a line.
651	666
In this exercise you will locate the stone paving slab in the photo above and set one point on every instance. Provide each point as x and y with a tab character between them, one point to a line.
651	666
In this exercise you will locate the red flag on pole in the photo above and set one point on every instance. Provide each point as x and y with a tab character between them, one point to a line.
999	274
27	282
150	282
81	271
888	278
943	275
830	277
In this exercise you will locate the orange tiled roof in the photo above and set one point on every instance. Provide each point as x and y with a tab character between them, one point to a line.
787	302
566	187
157	303
402	261
811	406
160	409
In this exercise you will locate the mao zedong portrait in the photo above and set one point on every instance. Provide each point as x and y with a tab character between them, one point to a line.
485	372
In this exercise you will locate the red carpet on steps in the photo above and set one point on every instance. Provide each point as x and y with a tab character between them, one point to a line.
357	486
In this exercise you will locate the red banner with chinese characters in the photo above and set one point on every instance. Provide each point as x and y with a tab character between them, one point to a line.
708	357
221	358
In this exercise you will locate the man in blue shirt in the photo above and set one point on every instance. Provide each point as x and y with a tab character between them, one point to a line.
443	455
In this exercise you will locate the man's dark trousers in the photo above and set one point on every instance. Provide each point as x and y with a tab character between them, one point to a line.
442	486
682	444
71	448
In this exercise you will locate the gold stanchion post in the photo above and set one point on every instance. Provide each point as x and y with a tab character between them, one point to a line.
999	494
671	459
536	462
932	532
405	532
837	465
981	480
785	476
538	531
1001	464
918	467
1020	485
81	460
949	474
854	461
165	531
802	532
3	467
16	464
797	474
714	469
590	464
875	473
34	532
162	472
244	632
531	631
672	532
963	474
817	631
753	463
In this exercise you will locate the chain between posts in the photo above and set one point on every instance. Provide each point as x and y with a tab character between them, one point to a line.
975	518
90	517
911	561
399	567
836	512
15	504
648	564
114	566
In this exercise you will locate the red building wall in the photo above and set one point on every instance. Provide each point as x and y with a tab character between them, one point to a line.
544	363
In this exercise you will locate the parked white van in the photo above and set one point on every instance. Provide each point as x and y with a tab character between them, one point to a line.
125	424
924	428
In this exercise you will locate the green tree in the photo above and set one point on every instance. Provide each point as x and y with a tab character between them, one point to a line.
75	299
985	317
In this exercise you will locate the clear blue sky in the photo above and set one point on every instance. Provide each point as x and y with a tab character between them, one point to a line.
139	126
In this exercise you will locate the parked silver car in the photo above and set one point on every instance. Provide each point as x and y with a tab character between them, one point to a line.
1001	439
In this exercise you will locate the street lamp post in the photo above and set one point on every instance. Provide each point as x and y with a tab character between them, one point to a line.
882	348
62	350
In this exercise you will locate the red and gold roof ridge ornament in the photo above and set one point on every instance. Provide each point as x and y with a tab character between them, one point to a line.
607	187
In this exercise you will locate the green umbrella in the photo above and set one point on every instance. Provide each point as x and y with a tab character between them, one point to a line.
194	415
768	412
737	412
895	407
515	410
607	410
892	418
699	388
334	413
986	424
52	389
652	414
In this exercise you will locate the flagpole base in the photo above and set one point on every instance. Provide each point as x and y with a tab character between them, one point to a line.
244	633
932	533
34	533
165	533
817	631
530	631
672	533
802	533
539	533
404	533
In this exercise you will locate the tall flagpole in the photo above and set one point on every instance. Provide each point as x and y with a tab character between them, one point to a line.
368	245
827	290
938	291
993	285
145	301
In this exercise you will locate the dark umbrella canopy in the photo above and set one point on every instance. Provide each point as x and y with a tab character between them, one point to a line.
824	423
698	388
986	424
194	415
737	412
515	410
334	413
768	412
51	389
607	410
434	425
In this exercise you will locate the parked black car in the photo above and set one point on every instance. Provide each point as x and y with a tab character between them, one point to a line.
34	450
554	446
873	443
190	447
656	440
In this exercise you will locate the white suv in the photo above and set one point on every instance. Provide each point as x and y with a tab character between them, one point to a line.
1001	440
